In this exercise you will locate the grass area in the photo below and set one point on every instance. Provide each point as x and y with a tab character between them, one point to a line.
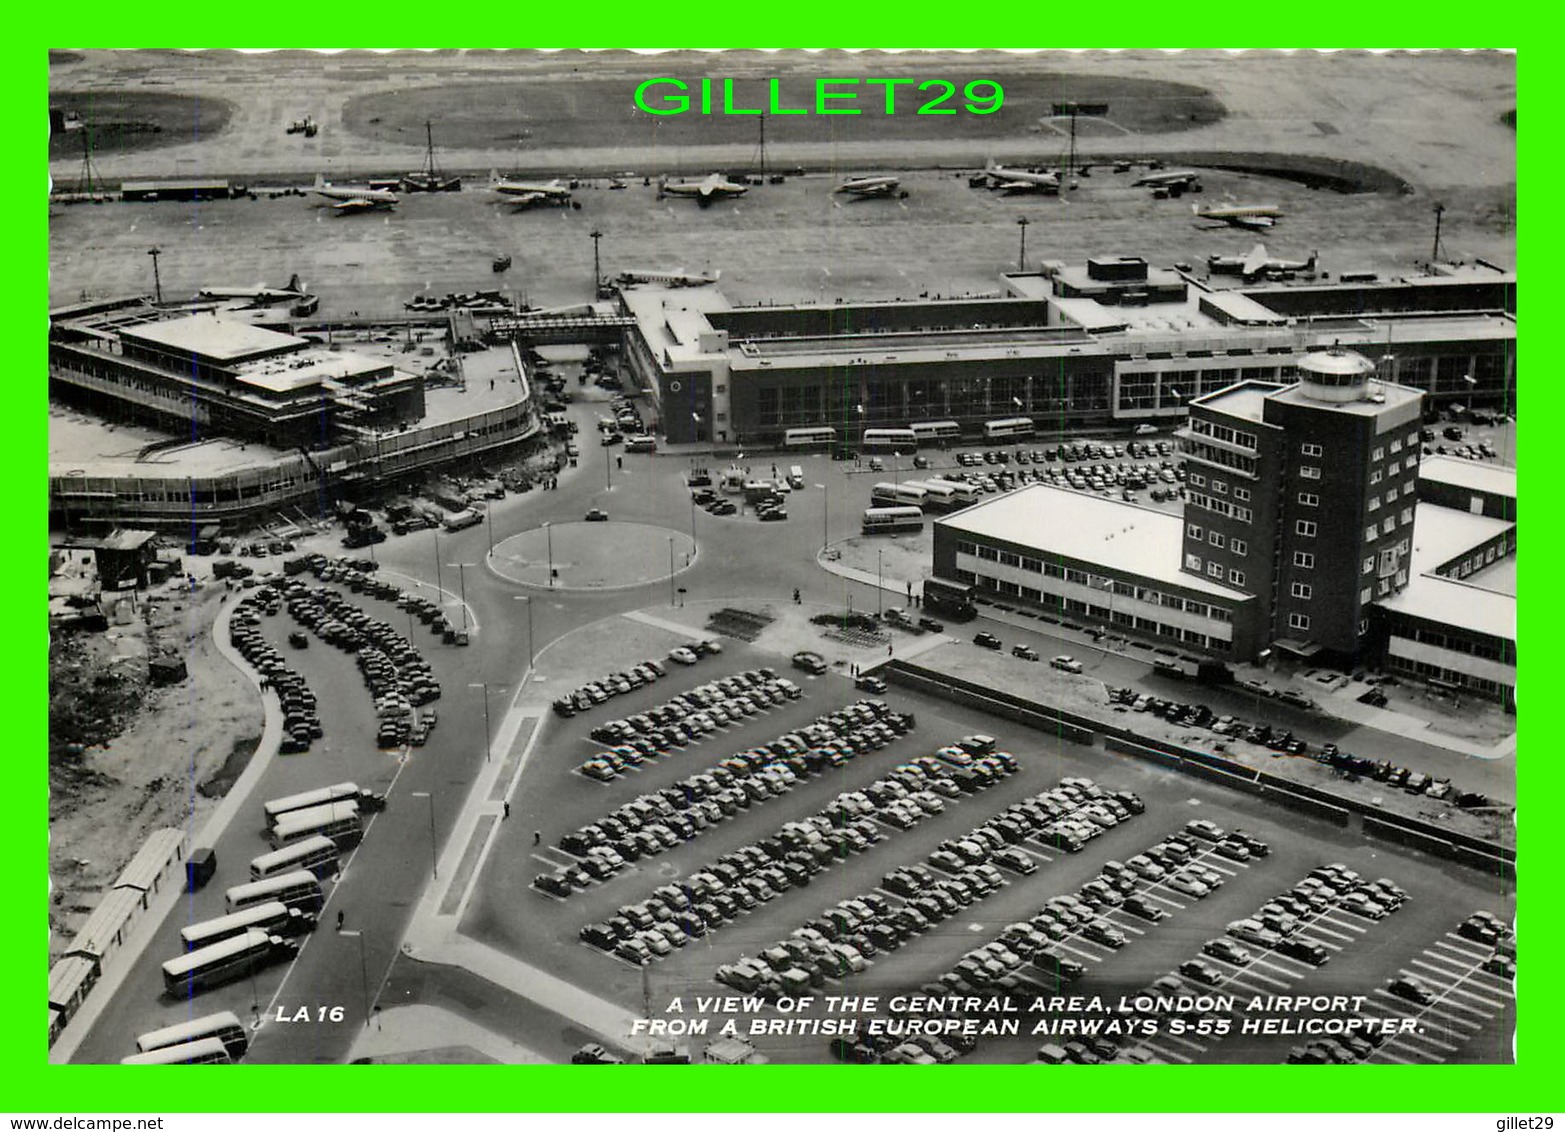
562	111
126	121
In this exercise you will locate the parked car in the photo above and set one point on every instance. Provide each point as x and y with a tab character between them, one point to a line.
596	515
1065	664
987	641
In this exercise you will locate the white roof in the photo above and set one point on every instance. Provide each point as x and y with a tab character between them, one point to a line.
1119	537
1476	475
1443	533
224	340
1458	604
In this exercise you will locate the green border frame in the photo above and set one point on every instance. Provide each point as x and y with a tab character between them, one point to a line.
1532	1082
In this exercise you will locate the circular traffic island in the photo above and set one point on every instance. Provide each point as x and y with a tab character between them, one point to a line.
593	555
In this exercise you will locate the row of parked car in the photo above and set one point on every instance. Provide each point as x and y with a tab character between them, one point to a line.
301	723
600	691
685	719
653	822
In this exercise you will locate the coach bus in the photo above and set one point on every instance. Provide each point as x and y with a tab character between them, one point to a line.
891	520
224	1026
298	889
339	821
367	800
938	495
317	853
802	438
203	1051
888	440
963	492
274	918
1008	428
196	971
896	495
937	432
949	599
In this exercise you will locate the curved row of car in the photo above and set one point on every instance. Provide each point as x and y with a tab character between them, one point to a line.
653	822
301	724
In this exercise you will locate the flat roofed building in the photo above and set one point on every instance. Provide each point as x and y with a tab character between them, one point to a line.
1468	485
1099	561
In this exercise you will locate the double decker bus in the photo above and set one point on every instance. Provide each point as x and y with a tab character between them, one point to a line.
1008	428
897	495
892	520
317	853
888	440
273	917
223	1026
952	600
298	889
196	971
205	1051
936	432
799	439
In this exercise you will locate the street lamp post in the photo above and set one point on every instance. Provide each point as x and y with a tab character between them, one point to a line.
489	523
548	534
879	592
461	569
488	728
440	589
670	569
434	866
1021	259
364	975
825	514
529	601
608	464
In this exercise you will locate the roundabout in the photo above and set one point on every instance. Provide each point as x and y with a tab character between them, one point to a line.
592	556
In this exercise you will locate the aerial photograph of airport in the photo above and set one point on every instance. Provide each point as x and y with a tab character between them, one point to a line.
977	558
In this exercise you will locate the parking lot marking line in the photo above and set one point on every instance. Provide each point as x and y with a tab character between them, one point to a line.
1493	984
1160	1051
1178	1041
1464	946
1295	968
1465	993
1079	948
1380	1053
1349	924
1316	927
1422	1038
1448	968
1170	901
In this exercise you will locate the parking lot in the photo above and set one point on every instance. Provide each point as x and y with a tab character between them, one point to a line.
938	939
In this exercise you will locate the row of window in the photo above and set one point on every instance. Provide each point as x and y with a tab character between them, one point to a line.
1226	433
1445	675
1219	540
1095	581
1219	506
1209	454
1100	613
1220	487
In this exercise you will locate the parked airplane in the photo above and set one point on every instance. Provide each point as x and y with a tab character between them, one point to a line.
670	278
1257	216
860	187
1021	180
1258	263
354	199
705	192
1163	179
523	193
292	290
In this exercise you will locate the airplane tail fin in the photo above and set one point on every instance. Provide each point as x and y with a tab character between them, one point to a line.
494	176
1310	264
293	283
320	180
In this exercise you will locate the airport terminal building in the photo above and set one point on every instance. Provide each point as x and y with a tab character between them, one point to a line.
1113	342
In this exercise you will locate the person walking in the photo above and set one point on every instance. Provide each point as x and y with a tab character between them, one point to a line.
537	837
340	915
505	810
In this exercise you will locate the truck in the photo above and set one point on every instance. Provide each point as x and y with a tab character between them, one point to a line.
368	800
463	519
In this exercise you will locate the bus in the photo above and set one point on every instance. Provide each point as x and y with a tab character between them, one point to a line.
938	496
963	492
274	918
801	438
368	800
1008	428
940	432
224	1026
299	889
196	971
888	440
339	821
952	600
318	854
896	495
203	1051
890	520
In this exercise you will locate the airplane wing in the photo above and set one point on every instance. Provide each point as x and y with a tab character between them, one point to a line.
357	204
523	200
1256	261
1255	223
